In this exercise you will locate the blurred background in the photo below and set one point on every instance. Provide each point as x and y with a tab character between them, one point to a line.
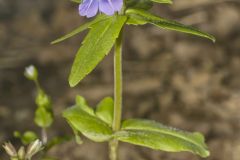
180	80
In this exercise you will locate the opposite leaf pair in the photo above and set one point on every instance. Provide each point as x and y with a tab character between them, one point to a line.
97	127
105	30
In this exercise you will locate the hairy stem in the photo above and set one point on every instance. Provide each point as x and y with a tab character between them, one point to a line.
117	95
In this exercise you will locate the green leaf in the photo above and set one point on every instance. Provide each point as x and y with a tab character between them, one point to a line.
163	1
81	102
77	1
43	100
89	125
140	4
157	136
134	21
141	16
83	27
105	110
43	114
96	45
144	4
27	137
78	138
43	118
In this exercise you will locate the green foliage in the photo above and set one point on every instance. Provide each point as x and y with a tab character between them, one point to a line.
42	100
144	4
76	1
138	16
81	102
43	118
88	124
157	136
80	28
163	1
27	137
78	139
96	45
105	29
105	110
96	125
141	4
43	114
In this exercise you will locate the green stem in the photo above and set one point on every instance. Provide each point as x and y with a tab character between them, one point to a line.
117	95
117	84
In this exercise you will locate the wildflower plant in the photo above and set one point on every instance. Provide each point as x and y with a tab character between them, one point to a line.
105	123
36	143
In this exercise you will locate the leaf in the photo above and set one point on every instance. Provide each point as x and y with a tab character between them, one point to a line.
157	136
43	114
81	102
43	100
78	138
105	109
27	137
163	1
89	125
96	45
144	4
140	4
83	27
76	1
43	118
134	21
141	15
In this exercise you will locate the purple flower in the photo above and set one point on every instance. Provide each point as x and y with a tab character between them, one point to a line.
90	8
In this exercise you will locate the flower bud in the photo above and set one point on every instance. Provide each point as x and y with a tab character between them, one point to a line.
21	153
10	150
31	73
33	148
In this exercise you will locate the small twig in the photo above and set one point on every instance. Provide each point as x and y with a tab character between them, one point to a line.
44	136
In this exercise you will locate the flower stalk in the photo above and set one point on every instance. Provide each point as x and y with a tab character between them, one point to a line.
117	95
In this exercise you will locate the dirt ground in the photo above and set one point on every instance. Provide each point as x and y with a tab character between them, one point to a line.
180	80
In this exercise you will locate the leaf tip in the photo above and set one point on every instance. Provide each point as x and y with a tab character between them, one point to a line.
206	154
214	40
72	83
54	42
210	37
